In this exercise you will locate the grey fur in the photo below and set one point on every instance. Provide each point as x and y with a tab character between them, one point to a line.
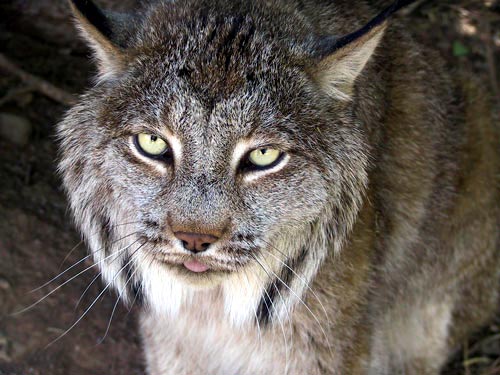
386	208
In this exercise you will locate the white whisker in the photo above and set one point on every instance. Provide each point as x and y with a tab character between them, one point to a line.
305	305
92	234
298	276
96	299
77	263
287	349
135	297
72	278
87	289
117	301
254	311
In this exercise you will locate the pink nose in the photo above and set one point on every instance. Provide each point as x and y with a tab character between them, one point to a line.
195	242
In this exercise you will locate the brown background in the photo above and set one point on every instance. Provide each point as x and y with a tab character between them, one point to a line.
36	233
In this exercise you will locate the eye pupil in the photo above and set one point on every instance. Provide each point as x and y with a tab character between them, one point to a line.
154	138
263	151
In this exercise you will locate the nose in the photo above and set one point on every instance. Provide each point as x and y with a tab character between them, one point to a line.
195	242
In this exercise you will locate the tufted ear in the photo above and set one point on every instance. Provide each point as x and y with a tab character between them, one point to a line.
337	71
342	59
105	32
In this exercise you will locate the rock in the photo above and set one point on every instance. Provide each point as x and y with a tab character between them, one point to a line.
15	129
4	284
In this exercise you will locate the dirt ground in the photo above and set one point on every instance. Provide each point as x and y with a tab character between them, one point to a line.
36	234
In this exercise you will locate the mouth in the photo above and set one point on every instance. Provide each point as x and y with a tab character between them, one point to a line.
200	267
196	266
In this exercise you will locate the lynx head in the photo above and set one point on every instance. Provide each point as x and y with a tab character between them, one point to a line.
217	151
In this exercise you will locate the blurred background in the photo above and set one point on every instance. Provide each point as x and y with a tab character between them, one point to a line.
43	67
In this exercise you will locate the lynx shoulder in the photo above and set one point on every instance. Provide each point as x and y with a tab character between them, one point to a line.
284	186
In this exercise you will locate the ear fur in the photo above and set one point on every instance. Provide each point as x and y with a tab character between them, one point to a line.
102	32
336	72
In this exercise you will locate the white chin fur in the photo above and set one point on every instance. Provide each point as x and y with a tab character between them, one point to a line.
242	293
236	298
163	292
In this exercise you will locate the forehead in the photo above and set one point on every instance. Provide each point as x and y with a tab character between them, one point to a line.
214	75
215	53
246	114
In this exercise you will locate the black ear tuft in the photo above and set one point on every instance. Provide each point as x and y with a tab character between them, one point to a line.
94	16
337	72
329	44
342	59
107	34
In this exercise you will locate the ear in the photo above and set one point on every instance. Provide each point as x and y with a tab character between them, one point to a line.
339	66
105	33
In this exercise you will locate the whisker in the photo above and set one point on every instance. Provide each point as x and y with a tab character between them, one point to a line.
286	312
116	303
80	261
72	278
96	299
89	286
303	303
135	297
87	289
287	350
93	234
306	284
69	254
62	273
254	310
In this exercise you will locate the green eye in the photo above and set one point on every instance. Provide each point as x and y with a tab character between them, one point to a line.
264	157
151	144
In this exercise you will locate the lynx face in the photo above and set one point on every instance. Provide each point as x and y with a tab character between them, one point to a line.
210	156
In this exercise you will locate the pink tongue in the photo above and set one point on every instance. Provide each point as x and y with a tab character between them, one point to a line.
195	266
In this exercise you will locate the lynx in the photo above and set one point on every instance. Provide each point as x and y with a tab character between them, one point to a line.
285	186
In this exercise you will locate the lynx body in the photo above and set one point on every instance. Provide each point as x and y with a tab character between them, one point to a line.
277	202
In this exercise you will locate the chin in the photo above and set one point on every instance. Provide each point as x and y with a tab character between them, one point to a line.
170	289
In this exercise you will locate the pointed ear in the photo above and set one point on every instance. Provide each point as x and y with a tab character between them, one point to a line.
105	33
339	67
